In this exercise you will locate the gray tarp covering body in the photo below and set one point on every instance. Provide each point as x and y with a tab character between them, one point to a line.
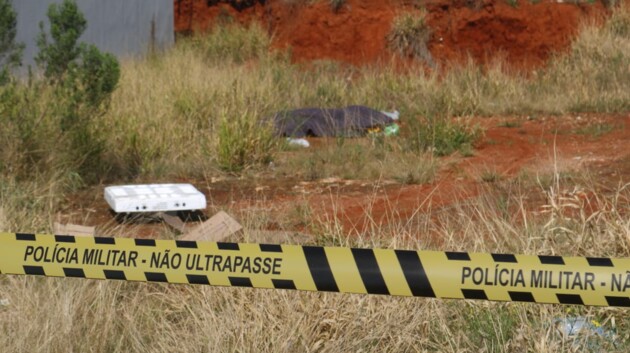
322	122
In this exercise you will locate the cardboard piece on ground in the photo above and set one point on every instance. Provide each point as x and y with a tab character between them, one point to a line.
172	220
217	228
73	229
277	237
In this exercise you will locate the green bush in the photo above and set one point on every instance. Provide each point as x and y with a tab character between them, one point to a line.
10	51
67	24
98	73
85	73
84	79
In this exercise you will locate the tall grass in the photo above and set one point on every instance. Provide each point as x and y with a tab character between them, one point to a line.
243	141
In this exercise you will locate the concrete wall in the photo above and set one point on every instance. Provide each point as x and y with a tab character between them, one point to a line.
126	28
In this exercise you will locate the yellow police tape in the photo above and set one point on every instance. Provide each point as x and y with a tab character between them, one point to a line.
437	274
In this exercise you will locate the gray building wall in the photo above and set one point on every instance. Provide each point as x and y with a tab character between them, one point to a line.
125	28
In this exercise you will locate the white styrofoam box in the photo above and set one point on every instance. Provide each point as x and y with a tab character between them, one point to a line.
154	198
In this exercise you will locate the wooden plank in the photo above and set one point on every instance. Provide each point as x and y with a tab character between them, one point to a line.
73	229
217	228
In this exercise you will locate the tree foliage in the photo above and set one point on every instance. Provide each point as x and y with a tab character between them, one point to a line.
84	79
10	51
86	73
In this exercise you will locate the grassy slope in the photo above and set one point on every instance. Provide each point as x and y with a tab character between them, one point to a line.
165	120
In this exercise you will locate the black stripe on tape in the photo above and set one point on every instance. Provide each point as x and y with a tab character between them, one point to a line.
459	256
504	258
34	270
618	301
188	244
103	240
240	281
414	273
228	246
551	260
570	299
521	297
155	277
599	261
197	279
283	284
25	236
115	274
474	294
270	248
73	272
320	269
145	242
369	271
64	239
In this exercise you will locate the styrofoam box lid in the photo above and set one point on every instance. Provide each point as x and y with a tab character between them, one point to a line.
154	198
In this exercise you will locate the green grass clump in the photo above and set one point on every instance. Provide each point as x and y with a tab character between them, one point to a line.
440	136
409	36
243	142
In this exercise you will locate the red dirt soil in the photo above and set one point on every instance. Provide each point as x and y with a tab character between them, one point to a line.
525	35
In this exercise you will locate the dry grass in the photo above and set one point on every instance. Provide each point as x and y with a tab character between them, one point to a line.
54	315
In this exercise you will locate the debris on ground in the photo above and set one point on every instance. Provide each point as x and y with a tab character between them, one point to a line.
579	328
218	228
73	229
173	220
154	198
298	142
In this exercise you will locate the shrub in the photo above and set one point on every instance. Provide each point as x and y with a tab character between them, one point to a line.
409	36
87	74
84	79
10	51
67	24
